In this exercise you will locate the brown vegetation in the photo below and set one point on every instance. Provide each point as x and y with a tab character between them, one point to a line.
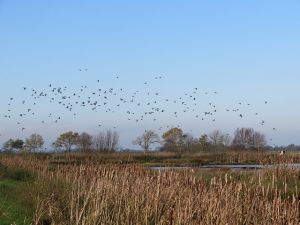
91	193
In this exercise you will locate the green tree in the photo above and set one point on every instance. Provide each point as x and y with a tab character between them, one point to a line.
67	140
12	144
173	139
17	144
34	142
7	146
203	142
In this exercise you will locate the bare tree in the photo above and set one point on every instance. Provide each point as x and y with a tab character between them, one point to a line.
112	140
99	141
247	138
216	138
243	138
189	141
227	140
148	138
259	140
85	142
106	141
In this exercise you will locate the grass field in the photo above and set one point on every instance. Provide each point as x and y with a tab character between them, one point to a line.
119	189
14	202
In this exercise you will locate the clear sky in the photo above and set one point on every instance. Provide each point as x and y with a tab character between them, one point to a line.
247	51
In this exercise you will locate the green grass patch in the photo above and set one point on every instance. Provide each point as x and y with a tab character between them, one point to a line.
15	207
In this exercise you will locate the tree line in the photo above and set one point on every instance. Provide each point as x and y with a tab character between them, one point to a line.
174	140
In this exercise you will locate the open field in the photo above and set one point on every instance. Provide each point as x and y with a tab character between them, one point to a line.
82	189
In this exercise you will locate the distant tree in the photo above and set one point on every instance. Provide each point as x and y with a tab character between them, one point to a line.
243	138
189	142
203	142
67	140
216	138
85	142
259	140
148	138
227	140
247	138
112	140
8	146
12	144
290	147
34	142
173	139
106	141
99	142
17	144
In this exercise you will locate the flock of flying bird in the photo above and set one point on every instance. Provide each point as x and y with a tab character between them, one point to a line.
135	106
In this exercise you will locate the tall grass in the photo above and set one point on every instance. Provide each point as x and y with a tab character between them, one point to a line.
92	193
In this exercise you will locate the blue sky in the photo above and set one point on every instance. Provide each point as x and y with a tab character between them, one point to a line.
247	51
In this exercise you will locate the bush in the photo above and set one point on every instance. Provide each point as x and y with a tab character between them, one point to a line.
14	174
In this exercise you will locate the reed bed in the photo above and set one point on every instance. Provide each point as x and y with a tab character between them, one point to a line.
174	158
92	193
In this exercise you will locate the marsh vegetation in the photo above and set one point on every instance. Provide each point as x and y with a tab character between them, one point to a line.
82	189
